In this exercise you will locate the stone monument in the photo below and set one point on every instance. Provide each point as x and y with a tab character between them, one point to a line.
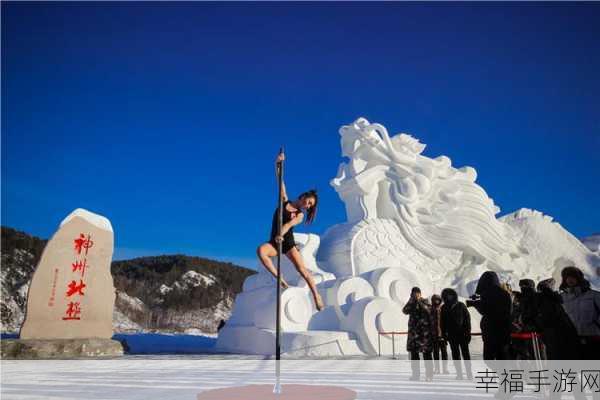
71	297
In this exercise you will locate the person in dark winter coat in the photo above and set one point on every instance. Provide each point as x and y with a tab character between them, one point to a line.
523	320
419	333
515	315
559	335
456	328
582	304
495	306
528	304
440	351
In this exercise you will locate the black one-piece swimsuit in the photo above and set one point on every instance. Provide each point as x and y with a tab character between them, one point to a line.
288	238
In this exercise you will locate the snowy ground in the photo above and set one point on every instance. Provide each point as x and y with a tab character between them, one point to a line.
182	378
192	366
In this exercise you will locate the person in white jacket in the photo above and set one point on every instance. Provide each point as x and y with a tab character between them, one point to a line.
582	304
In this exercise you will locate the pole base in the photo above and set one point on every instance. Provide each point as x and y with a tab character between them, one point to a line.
288	392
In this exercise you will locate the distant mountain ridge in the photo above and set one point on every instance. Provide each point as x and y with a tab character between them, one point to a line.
168	293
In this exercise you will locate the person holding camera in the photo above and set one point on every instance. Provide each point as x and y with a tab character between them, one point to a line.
420	339
456	328
495	306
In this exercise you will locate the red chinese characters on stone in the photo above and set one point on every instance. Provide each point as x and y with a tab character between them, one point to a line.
73	311
79	266
53	294
83	242
75	288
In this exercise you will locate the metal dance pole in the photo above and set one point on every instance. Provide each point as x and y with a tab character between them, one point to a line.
293	391
277	388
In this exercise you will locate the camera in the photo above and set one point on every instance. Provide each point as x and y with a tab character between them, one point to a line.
473	300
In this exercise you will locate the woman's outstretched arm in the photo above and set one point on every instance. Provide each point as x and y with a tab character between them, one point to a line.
279	160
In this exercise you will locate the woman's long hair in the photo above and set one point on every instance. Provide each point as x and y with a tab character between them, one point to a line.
312	212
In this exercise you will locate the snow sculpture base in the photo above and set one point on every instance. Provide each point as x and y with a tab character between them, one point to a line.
288	392
310	343
411	221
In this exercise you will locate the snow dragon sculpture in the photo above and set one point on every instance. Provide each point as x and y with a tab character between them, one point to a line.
411	221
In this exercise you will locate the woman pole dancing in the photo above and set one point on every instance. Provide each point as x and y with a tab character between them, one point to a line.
293	214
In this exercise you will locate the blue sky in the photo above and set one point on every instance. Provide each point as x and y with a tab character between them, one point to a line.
166	117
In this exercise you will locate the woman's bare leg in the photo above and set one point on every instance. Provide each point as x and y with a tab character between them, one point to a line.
264	252
296	259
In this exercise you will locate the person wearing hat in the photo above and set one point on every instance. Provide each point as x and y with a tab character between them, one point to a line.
495	306
528	304
523	320
440	351
420	338
456	328
582	304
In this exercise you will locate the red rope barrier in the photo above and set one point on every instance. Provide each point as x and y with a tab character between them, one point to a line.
406	333
525	335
